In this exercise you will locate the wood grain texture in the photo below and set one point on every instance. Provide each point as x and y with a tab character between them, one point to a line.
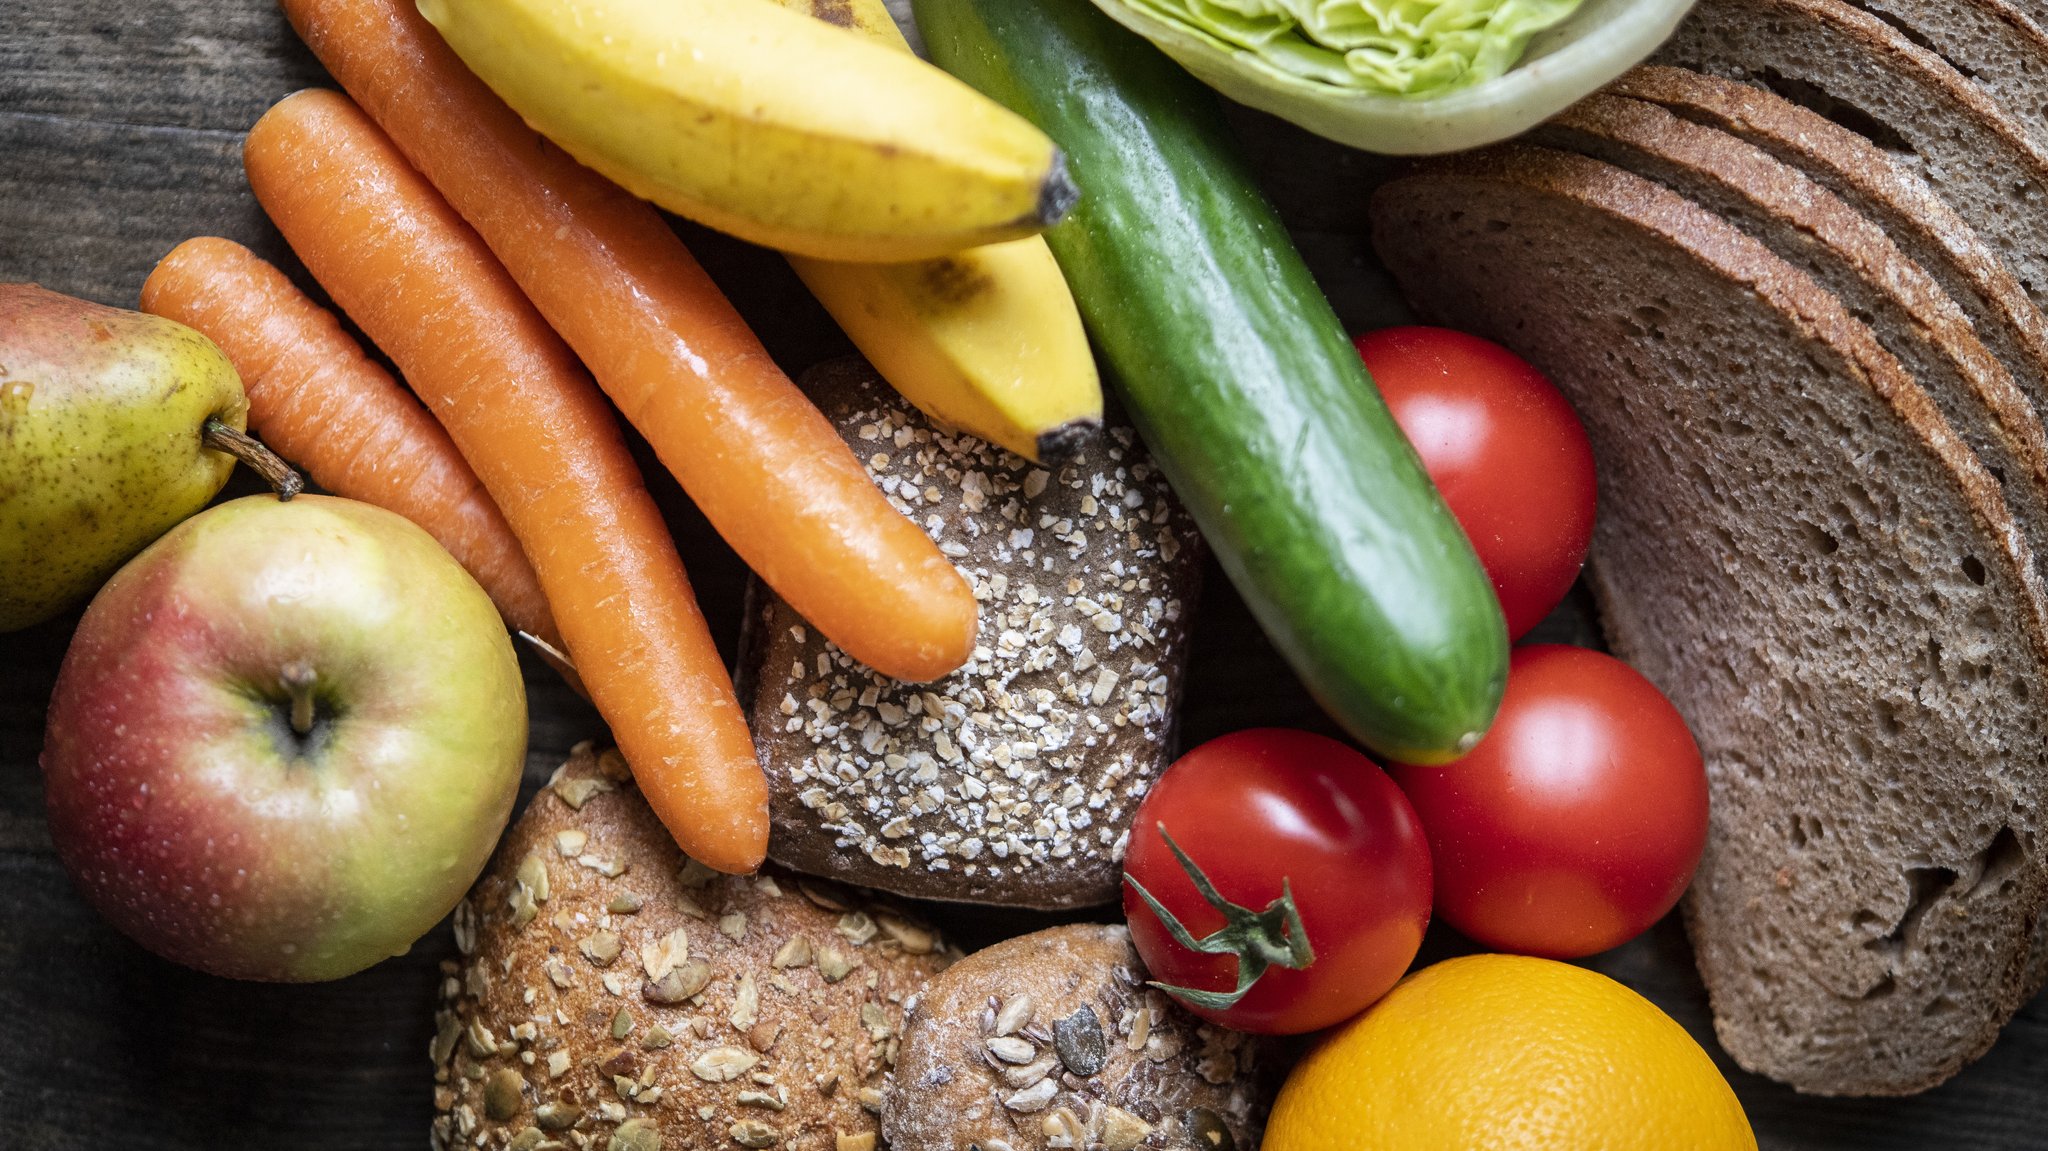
120	132
178	63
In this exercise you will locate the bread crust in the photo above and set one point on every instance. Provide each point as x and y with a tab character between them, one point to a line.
1998	46
1839	983
1014	780
1807	225
1866	178
1965	145
611	993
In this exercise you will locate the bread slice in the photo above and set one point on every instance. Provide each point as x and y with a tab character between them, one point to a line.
2035	10
1898	201
1847	255
1992	42
1796	547
1862	73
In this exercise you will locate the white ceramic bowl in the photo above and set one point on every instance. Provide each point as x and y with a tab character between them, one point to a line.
1599	42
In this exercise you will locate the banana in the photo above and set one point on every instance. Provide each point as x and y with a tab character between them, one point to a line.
987	340
765	123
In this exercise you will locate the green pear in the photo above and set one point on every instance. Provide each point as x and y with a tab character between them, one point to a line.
103	441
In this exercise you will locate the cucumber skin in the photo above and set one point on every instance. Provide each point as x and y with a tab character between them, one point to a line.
1242	380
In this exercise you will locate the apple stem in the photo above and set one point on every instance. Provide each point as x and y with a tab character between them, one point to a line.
299	678
251	452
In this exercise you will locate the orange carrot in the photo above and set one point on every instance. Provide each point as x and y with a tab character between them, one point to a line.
758	458
316	399
421	285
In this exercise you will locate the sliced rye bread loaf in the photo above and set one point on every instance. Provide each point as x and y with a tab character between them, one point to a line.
1897	200
1849	256
1862	73
1993	42
1795	546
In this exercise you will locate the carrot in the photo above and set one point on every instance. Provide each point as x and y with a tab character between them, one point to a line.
763	464
315	398
527	417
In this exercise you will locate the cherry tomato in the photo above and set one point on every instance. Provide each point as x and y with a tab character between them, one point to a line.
1278	820
1505	449
1577	822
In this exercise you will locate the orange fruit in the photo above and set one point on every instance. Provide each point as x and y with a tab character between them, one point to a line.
1508	1053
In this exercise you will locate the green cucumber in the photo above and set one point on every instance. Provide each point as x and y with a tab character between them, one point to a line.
1243	382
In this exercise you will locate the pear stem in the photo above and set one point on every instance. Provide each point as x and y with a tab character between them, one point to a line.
299	678
251	452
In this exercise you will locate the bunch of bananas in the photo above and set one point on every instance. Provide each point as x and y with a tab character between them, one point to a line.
908	203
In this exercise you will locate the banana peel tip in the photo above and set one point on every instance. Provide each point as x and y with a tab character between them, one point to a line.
1057	195
1059	443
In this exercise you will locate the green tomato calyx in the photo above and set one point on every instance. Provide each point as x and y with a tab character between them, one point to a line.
1264	939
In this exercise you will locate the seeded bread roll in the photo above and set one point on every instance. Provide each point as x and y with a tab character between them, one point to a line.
1012	781
1052	1040
614	995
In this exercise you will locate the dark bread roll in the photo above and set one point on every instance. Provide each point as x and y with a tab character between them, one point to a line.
1014	780
615	995
1052	1041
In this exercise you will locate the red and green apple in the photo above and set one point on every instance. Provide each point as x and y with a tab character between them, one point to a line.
284	740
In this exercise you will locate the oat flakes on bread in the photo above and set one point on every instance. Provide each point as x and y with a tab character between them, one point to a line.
1014	780
613	995
1855	69
1796	549
1052	1042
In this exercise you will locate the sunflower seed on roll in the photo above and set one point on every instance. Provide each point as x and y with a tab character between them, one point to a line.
1014	780
612	994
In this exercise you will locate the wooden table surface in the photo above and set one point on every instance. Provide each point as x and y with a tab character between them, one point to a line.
120	130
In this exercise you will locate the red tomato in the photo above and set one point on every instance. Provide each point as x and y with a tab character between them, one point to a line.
1505	449
1577	822
1265	811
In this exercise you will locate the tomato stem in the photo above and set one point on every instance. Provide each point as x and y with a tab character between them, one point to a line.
1274	937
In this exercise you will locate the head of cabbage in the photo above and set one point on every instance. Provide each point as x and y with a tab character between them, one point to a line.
1405	76
1398	47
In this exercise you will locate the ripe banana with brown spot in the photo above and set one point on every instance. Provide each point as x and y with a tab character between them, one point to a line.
987	340
766	124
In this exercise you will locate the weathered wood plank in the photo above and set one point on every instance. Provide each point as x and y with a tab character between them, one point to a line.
87	208
182	63
113	1047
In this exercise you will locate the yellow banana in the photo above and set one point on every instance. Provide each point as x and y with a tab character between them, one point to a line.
765	123
987	340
